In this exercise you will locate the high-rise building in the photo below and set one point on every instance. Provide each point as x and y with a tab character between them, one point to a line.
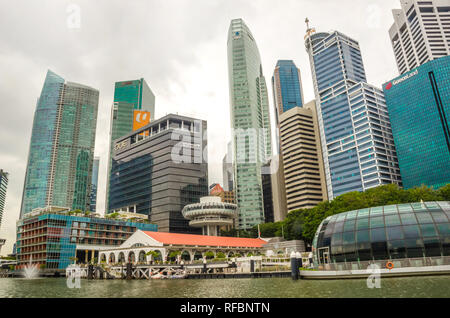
419	109
132	99
287	88
420	32
59	169
357	144
94	184
250	122
301	153
157	174
3	187
227	168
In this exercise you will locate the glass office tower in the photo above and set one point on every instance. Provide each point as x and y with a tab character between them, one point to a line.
357	143
419	109
61	153
287	88
128	97
148	176
94	184
250	121
3	186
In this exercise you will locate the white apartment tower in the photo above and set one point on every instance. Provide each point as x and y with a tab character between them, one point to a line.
420	33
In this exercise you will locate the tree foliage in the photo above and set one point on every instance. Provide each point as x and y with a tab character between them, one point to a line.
302	224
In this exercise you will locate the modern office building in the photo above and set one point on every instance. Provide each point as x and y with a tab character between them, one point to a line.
420	33
133	108
226	196
301	153
211	215
159	169
357	144
412	234
3	187
94	184
61	153
227	168
250	122
287	88
267	194
52	237
419	109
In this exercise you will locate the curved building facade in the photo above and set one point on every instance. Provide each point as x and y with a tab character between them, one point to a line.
210	214
412	234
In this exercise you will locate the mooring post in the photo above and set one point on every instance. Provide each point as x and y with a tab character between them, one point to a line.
294	266
90	274
129	271
299	263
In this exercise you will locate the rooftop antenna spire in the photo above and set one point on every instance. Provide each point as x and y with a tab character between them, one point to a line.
307	24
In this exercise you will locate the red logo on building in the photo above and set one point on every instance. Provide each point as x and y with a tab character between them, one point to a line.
388	86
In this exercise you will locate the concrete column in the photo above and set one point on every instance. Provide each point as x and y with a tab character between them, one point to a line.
86	256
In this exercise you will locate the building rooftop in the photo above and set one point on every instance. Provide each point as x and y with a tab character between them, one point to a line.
203	240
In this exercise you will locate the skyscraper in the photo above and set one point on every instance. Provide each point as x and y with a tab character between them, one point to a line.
357	143
147	177
250	122
301	153
130	97
420	32
61	153
287	88
227	168
3	186
94	184
419	109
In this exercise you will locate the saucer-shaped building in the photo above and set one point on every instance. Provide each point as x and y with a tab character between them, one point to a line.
403	235
211	214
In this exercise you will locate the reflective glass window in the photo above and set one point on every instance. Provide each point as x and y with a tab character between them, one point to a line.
439	217
376	211
336	239
351	215
394	233
390	209
362	236
432	246
418	207
408	218
379	250
404	208
414	248
338	227
364	251
392	220
349	225
397	249
411	231
363	213
428	230
348	237
378	235
424	217
376	222
362	224
444	229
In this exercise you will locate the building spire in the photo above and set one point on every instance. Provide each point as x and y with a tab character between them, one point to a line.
307	24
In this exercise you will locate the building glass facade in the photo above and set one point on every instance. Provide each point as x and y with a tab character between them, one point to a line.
61	153
54	239
149	177
128	97
250	121
287	88
3	187
419	109
412	230
357	144
94	184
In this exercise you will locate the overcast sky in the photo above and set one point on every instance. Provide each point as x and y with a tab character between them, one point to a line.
178	46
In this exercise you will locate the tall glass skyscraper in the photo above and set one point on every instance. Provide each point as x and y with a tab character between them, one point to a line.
128	97
61	153
357	143
287	88
419	108
3	186
94	184
250	121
